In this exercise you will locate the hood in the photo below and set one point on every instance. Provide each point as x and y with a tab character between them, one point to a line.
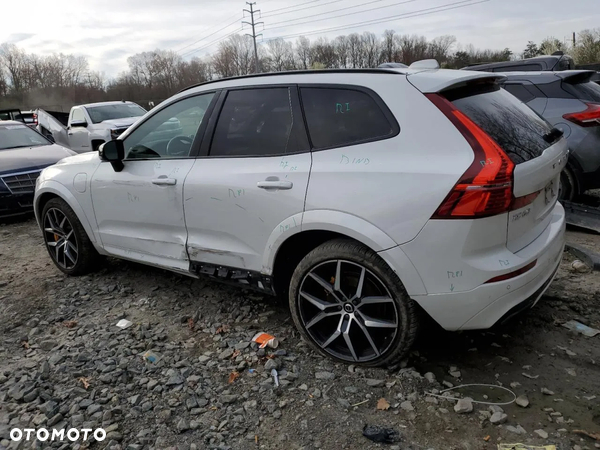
31	158
122	123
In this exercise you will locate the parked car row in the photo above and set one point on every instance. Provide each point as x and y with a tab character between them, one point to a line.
362	196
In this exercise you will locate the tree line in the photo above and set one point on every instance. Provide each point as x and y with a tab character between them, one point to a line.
59	81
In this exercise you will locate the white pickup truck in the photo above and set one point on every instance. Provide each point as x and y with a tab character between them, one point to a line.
86	127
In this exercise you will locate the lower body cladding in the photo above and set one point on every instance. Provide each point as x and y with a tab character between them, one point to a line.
463	274
15	204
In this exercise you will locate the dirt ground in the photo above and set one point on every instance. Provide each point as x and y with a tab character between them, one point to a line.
55	330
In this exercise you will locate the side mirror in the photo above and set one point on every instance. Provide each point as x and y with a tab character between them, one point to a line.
114	153
79	123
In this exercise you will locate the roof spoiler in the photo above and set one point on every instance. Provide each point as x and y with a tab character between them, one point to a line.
576	77
425	64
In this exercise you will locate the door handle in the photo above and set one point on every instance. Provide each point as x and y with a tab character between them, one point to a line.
70	134
164	181
275	184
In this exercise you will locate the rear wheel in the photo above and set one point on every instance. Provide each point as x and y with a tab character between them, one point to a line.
351	306
568	188
66	240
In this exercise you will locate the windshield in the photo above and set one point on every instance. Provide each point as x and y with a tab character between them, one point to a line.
118	111
16	136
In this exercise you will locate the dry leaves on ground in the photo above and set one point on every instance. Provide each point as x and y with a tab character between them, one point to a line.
382	404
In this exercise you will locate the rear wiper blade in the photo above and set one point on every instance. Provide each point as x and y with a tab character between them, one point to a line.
553	135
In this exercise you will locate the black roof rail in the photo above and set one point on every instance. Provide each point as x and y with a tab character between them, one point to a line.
292	72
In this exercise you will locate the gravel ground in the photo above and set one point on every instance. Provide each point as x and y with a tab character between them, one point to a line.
64	363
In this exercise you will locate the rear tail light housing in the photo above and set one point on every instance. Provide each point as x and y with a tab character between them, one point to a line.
589	117
486	188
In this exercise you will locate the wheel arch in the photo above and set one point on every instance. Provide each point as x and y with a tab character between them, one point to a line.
286	250
52	189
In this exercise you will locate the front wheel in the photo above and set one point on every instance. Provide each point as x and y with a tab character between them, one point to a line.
66	240
349	304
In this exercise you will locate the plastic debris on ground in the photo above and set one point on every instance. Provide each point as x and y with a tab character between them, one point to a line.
265	340
525	447
380	434
124	323
580	328
275	376
152	357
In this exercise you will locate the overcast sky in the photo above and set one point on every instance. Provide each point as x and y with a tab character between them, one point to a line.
108	31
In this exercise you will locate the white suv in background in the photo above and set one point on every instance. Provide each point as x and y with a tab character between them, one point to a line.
364	196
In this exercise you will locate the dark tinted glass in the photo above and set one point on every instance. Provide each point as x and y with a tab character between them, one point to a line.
514	126
255	122
584	91
115	111
17	136
337	117
520	92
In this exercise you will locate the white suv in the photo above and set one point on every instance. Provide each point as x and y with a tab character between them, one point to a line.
365	196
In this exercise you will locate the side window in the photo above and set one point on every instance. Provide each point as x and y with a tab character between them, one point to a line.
77	115
519	91
339	116
170	132
256	122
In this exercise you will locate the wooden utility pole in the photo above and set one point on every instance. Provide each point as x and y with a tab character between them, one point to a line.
253	24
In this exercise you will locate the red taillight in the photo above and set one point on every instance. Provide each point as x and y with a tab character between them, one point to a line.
35	118
485	189
589	117
520	202
516	273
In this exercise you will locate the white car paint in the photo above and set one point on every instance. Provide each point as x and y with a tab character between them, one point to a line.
382	194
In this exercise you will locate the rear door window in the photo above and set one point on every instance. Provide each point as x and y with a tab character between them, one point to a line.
514	126
345	116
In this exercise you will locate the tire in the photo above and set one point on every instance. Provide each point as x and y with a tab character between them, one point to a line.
568	189
67	242
337	314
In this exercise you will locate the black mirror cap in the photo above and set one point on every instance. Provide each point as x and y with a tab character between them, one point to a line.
114	153
79	123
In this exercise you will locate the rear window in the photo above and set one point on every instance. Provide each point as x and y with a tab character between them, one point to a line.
514	126
584	91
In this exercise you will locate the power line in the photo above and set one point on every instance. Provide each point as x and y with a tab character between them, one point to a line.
294	6
418	13
210	29
342	15
205	46
302	9
212	34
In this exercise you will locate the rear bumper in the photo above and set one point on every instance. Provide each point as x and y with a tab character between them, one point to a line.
15	205
486	304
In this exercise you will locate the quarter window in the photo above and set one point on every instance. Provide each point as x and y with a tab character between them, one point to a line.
256	122
170	132
338	117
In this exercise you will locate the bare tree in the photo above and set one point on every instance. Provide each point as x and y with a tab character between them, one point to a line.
281	54
342	46
370	47
324	52
303	52
389	47
587	50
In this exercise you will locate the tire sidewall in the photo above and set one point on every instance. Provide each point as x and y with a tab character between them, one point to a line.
62	206
379	268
